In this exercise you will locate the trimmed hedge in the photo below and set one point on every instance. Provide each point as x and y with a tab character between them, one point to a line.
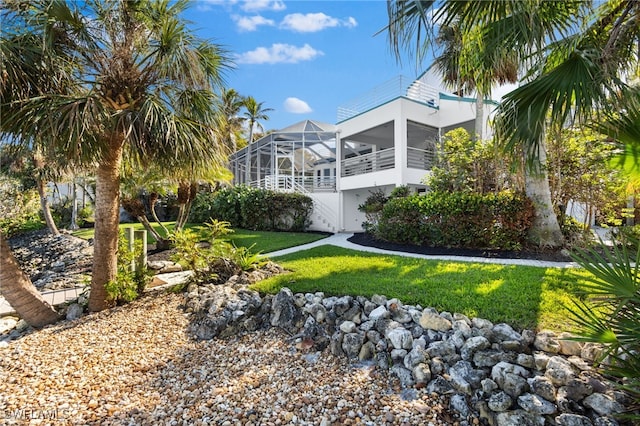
254	208
457	219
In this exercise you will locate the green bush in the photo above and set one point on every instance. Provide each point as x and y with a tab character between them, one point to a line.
211	257
254	208
457	219
19	210
372	209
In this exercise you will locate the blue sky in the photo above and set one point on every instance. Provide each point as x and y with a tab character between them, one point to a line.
301	58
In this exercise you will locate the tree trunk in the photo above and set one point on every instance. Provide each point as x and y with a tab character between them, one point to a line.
105	250
545	230
18	290
479	123
46	209
74	206
153	200
247	158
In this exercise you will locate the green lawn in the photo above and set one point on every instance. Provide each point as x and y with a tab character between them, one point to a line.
263	241
525	297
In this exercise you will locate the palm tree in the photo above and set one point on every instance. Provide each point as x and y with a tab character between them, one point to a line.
17	288
142	91
563	76
254	112
230	104
467	66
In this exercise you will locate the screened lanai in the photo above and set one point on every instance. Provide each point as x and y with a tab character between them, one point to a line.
300	156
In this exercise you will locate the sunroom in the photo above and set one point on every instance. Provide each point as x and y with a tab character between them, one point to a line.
301	157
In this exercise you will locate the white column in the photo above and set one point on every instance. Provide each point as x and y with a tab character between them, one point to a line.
400	147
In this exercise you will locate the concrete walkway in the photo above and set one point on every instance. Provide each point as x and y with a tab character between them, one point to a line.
54	297
340	240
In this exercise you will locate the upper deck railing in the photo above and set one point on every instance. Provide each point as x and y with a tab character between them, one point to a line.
399	86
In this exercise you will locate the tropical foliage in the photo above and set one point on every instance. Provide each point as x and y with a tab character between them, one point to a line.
255	209
106	83
457	219
609	312
467	165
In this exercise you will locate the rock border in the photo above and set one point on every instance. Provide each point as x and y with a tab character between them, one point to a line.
487	370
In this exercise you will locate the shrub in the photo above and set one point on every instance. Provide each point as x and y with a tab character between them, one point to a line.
372	209
254	208
19	210
128	285
457	219
213	258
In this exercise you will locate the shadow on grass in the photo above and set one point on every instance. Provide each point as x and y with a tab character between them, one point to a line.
523	296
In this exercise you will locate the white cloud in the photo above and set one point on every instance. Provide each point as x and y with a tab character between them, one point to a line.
313	22
279	53
296	106
206	5
257	5
251	23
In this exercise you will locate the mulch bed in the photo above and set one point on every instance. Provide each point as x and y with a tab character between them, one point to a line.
368	240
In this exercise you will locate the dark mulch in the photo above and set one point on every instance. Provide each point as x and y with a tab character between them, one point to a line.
368	240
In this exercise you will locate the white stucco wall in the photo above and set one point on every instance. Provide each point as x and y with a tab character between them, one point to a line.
352	217
325	216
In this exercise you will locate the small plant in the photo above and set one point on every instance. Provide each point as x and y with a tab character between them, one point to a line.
212	257
246	259
128	285
610	311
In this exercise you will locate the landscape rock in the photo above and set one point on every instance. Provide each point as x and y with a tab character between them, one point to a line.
547	341
535	404
566	419
559	371
519	418
432	321
603	404
74	311
500	402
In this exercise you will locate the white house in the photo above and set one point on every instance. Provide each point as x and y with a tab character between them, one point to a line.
383	139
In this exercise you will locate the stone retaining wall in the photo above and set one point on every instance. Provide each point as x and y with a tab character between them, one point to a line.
488	370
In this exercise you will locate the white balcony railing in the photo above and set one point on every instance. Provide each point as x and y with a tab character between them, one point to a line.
420	158
399	86
368	163
292	183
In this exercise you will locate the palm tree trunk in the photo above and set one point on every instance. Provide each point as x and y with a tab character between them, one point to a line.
74	206
479	123
247	158
46	209
545	230
153	200
105	257
18	290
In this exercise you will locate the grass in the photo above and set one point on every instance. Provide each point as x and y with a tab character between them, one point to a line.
262	241
522	296
266	241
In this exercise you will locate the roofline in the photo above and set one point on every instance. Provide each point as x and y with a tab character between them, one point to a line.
388	102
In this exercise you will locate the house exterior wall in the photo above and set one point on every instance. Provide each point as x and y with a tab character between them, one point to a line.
326	212
352	218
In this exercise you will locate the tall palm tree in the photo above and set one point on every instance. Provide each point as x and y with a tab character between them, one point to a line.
230	121
17	289
562	57
254	112
466	65
142	92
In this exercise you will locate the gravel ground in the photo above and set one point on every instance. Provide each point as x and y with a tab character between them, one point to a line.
137	365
